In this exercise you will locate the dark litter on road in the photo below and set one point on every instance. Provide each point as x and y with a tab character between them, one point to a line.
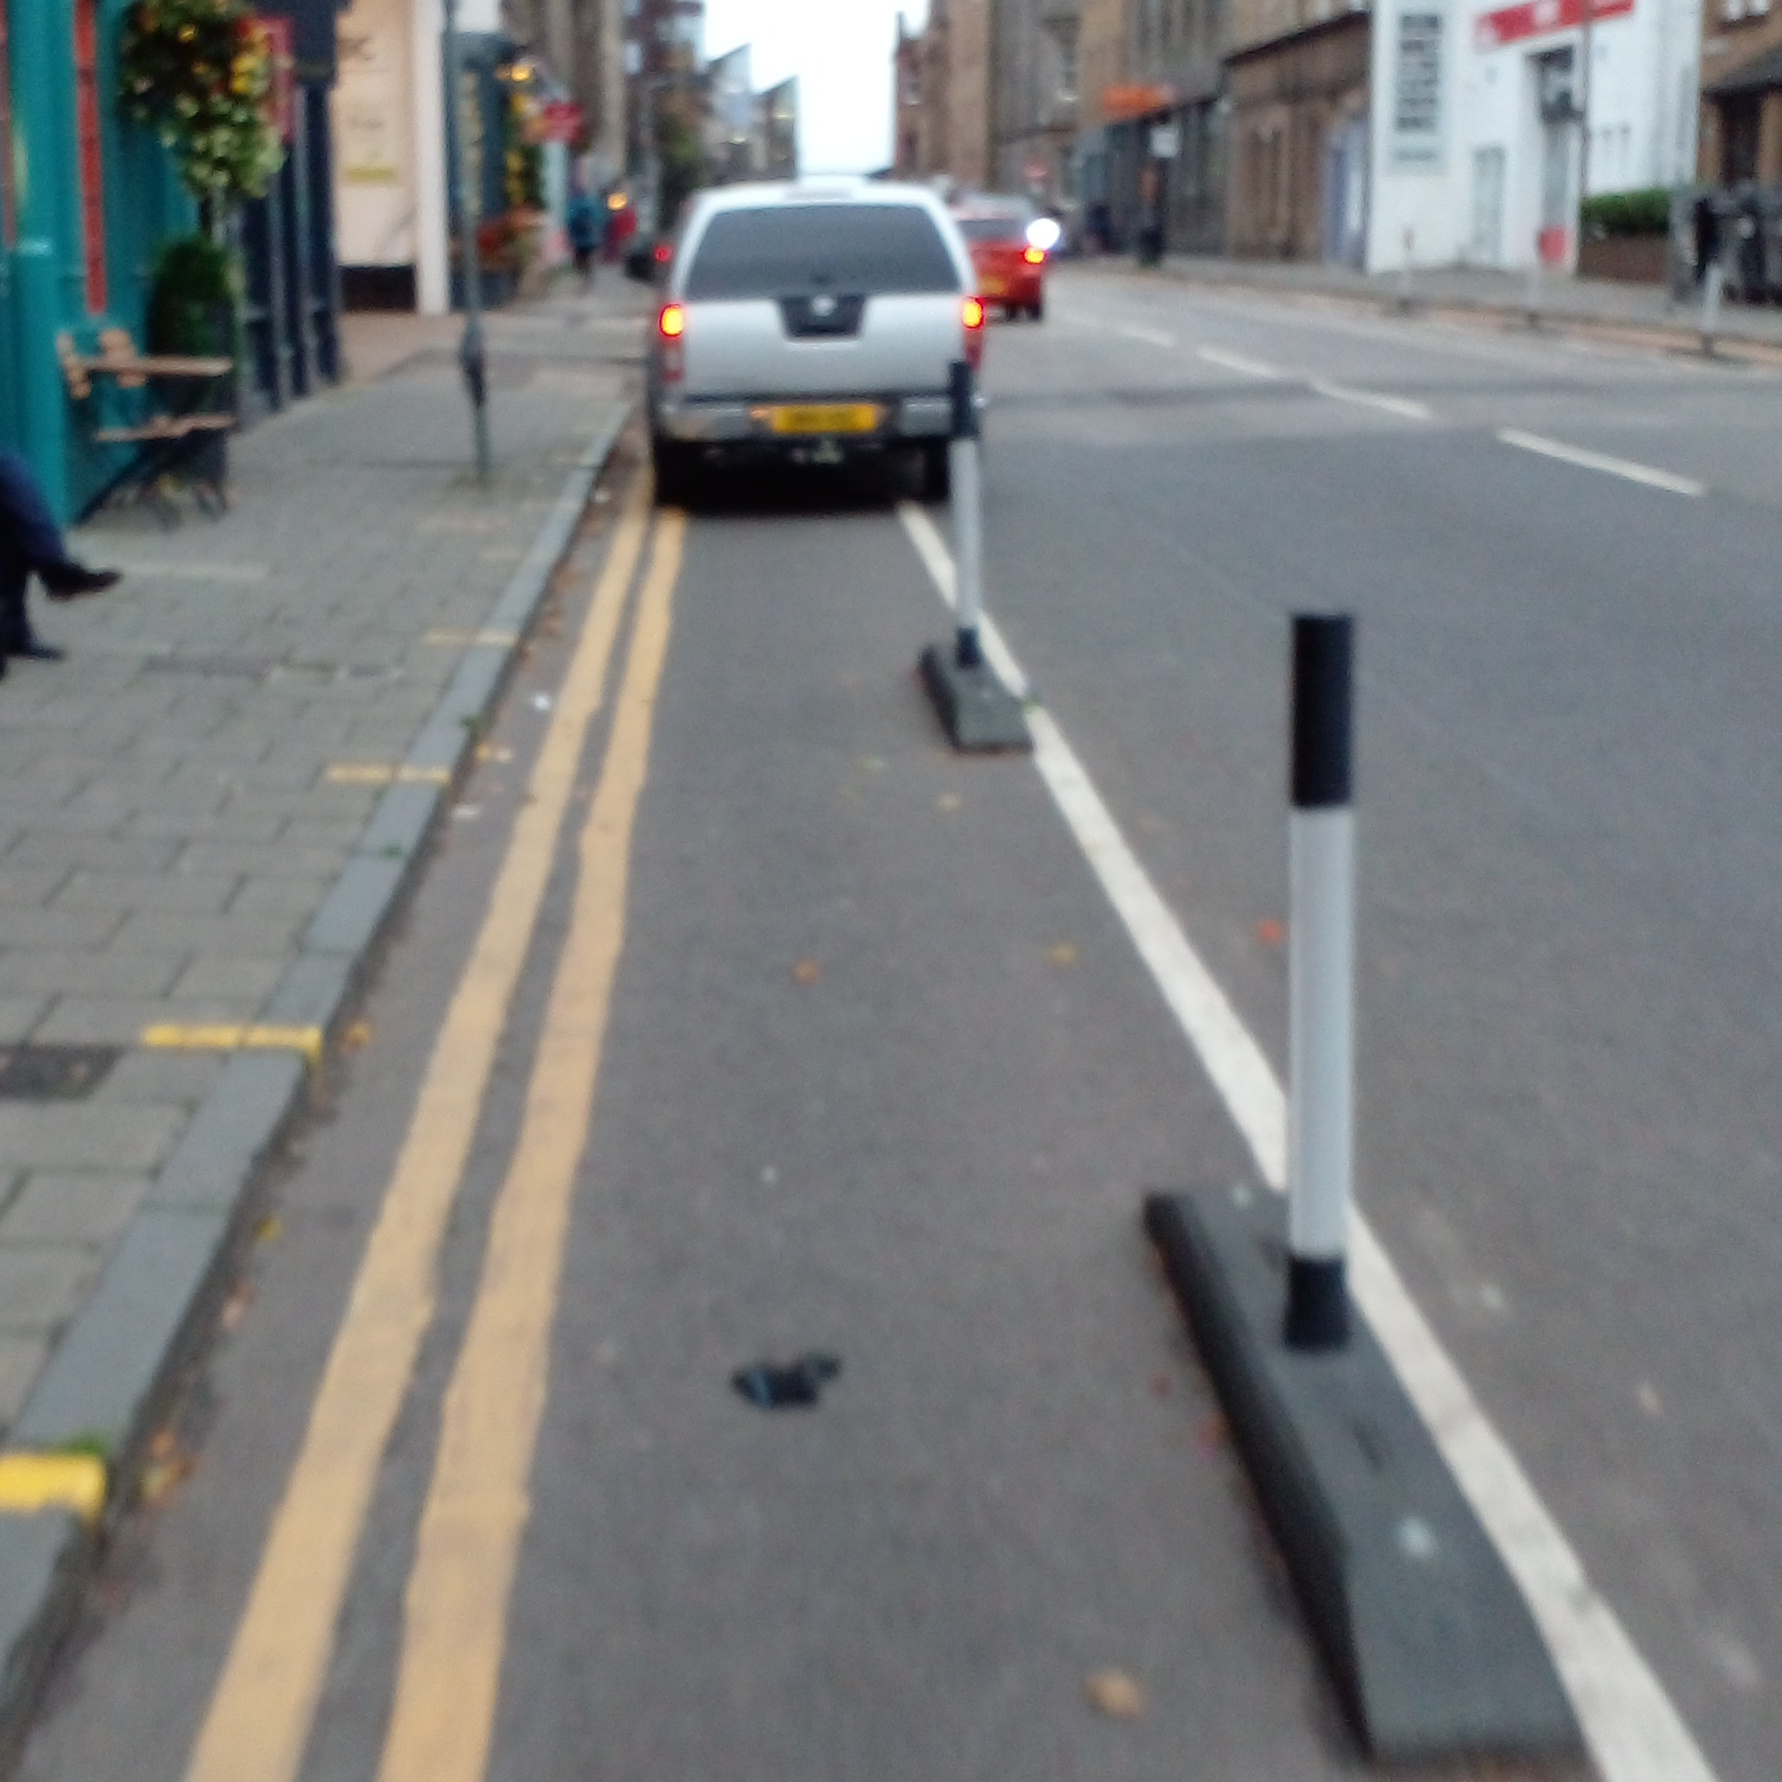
797	1386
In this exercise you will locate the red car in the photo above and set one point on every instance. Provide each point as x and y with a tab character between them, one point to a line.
1011	270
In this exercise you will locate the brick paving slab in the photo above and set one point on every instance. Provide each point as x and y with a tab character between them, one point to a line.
168	829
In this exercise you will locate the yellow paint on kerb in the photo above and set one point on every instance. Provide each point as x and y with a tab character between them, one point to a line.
233	1037
259	1718
30	1482
384	773
455	1621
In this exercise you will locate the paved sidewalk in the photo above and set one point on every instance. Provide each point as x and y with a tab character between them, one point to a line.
1597	303
184	819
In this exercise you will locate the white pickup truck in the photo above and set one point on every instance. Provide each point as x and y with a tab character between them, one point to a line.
810	322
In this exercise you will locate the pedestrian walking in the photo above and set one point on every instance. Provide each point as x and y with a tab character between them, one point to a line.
32	542
1707	236
585	224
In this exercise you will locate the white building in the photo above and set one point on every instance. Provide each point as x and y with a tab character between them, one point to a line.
389	134
1478	140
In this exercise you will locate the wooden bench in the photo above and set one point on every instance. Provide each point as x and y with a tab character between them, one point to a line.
172	442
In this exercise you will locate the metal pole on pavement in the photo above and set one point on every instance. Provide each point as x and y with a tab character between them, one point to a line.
964	473
1712	286
472	359
1534	285
1321	983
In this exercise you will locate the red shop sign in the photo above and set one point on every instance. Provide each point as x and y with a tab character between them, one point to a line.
1537	18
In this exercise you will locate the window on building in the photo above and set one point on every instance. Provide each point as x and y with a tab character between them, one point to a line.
92	160
1740	120
9	229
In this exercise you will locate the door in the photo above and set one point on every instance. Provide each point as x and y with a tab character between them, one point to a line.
1345	192
1487	243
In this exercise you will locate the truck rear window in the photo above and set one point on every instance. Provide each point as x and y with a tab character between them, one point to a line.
998	228
786	250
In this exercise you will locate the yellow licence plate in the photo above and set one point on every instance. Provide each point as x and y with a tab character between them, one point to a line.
826	417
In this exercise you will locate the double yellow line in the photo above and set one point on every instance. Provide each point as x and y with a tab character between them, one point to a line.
454	1631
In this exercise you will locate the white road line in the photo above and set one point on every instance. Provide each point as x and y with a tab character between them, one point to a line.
1150	336
1401	406
1634	1732
1237	362
1622	467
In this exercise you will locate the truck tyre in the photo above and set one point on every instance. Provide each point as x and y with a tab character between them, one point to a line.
672	463
937	471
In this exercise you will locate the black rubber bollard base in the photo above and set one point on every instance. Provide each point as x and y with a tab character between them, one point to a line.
1427	1638
977	711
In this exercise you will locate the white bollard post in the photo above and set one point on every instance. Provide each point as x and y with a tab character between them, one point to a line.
968	518
1404	271
1321	984
1711	291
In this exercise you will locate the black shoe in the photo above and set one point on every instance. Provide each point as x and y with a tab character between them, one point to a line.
63	581
34	649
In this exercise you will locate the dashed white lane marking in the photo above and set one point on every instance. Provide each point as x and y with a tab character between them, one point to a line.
1237	362
1622	467
1634	1732
1150	336
1402	406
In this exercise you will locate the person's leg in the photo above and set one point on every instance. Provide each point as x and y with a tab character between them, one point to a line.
15	623
26	522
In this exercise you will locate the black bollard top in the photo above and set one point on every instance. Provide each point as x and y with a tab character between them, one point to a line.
1323	727
965	407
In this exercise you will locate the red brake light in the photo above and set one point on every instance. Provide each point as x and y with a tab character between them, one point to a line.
972	312
671	324
1034	256
664	253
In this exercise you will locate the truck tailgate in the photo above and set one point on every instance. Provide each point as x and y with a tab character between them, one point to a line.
741	347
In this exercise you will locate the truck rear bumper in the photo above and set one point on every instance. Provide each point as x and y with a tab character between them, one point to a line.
729	420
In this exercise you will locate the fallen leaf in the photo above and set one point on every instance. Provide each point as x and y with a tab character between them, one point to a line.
269	1230
949	801
1270	932
1160	1385
163	1445
1065	953
356	1037
806	971
161	1478
1212	1434
1116	1695
235	1308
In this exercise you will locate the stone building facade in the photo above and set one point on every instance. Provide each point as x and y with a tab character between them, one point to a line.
1299	76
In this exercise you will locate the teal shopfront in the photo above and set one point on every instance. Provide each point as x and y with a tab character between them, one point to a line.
86	199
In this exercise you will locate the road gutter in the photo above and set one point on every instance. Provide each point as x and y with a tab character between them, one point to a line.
116	1363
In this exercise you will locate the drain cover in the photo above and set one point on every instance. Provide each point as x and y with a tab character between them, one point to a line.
54	1073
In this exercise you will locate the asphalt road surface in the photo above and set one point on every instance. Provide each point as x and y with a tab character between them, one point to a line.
738	1020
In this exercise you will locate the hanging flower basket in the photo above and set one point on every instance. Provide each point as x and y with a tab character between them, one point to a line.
200	74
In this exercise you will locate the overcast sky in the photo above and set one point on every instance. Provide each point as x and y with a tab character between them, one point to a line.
841	52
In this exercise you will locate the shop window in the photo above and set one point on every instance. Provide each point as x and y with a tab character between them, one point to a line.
9	228
92	159
1739	120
